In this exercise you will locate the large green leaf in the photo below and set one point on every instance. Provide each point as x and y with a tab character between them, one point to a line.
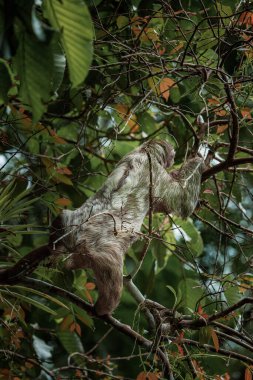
72	19
70	341
35	69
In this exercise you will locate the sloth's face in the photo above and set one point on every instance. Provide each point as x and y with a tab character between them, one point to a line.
166	153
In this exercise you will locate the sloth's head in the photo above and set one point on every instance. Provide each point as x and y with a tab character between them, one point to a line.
162	150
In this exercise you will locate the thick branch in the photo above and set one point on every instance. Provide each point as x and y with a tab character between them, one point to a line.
206	321
24	266
225	165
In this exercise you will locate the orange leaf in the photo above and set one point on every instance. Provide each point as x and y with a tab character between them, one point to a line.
177	48
248	374
201	312
57	138
72	327
246	113
132	122
63	202
130	119
149	34
246	18
213	101
165	85
221	112
221	128
138	25
161	49
208	191
141	376
66	322
147	376
78	329
88	296
215	340
122	110
79	373
64	170
90	286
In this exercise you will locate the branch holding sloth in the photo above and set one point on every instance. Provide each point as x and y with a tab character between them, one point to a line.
99	233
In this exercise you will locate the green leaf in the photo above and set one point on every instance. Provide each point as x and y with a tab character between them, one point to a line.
11	205
193	238
5	79
205	334
191	292
122	21
70	341
174	294
72	19
161	253
34	63
224	11
59	66
232	293
41	294
29	300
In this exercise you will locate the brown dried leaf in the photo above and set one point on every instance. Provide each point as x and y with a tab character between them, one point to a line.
63	202
165	85
221	128
215	340
246	113
248	374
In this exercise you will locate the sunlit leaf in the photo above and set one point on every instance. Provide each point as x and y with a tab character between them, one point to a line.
122	21
72	19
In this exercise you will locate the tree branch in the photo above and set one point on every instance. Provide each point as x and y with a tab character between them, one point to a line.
225	165
125	329
206	321
24	266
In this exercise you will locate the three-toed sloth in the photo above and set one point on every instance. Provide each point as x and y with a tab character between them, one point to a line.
98	234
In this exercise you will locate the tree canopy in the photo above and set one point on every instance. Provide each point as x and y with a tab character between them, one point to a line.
82	83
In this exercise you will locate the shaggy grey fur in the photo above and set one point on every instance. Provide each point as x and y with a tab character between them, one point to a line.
98	234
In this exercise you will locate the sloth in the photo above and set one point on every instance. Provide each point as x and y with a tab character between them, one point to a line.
99	233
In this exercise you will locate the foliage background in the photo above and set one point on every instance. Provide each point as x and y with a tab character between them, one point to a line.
82	84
